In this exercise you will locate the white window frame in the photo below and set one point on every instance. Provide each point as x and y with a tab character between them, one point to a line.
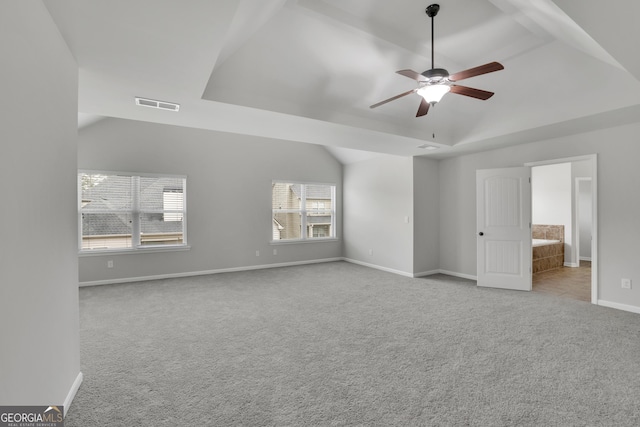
304	211
135	213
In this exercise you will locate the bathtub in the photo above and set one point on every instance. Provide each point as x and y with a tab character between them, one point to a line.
547	247
542	242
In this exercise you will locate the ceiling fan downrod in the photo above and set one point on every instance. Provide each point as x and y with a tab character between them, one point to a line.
434	74
432	10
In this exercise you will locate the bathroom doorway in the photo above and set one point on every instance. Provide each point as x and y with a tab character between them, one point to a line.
563	193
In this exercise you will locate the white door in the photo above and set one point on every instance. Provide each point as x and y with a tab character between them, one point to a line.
503	204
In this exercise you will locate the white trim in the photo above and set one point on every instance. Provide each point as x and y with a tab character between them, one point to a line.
139	250
311	240
205	272
125	173
594	229
585	258
72	393
296	181
264	266
572	264
462	275
563	160
426	273
624	307
379	267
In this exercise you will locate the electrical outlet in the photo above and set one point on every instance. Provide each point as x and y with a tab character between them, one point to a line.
370	251
626	283
257	253
110	263
275	252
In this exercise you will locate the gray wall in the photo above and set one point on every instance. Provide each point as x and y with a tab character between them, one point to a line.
39	354
426	200
378	197
228	194
552	201
584	219
618	204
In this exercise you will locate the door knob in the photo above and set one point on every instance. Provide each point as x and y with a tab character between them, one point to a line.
481	234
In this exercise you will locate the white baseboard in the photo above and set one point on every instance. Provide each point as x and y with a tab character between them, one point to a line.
426	273
624	307
72	393
263	266
571	264
462	275
378	267
585	258
205	272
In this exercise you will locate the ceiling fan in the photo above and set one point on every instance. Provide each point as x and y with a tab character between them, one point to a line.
433	84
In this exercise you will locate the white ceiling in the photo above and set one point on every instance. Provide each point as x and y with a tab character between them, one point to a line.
307	70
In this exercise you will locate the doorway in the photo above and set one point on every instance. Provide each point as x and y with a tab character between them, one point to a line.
571	202
584	221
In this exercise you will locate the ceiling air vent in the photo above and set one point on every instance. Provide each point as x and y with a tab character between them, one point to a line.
428	147
153	103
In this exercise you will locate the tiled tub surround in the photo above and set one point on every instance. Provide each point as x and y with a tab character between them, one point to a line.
549	256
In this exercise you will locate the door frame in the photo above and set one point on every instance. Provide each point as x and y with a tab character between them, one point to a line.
578	182
593	159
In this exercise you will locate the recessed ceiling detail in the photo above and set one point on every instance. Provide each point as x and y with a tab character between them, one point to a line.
308	70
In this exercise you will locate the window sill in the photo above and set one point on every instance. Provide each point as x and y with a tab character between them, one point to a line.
142	250
292	241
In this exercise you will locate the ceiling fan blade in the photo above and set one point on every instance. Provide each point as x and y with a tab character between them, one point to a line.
393	98
423	109
469	91
412	75
472	72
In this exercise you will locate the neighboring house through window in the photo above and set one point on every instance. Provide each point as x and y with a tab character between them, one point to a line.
131	211
302	211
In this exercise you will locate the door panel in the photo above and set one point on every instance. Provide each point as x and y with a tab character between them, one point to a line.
503	202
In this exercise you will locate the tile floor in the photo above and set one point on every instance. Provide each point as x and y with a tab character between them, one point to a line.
568	282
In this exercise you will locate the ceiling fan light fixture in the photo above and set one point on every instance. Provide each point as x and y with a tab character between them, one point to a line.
434	83
433	93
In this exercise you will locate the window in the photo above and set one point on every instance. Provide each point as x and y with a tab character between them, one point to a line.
126	211
303	211
172	200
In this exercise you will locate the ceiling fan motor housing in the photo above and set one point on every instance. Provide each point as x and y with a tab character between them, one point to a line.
436	74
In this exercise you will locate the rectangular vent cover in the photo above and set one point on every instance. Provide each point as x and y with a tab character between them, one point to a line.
163	105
